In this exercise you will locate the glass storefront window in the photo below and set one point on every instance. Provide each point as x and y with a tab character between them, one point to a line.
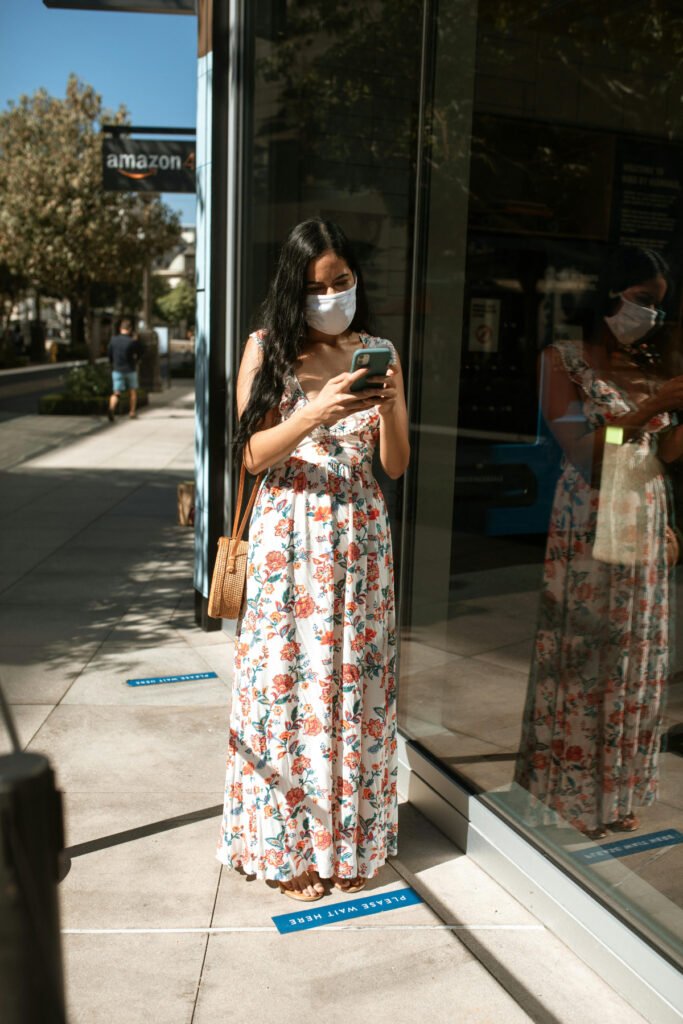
539	661
331	132
491	162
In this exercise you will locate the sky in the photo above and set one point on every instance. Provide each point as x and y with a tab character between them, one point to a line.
148	62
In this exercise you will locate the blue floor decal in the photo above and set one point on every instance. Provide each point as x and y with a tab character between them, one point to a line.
350	910
155	680
625	847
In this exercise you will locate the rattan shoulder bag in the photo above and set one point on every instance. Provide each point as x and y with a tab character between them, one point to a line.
226	596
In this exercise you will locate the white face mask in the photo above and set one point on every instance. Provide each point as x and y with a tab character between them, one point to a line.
631	322
333	313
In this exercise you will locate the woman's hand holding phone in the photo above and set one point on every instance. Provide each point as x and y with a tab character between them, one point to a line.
335	400
364	386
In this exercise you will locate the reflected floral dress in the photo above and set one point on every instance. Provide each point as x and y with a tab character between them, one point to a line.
591	729
311	772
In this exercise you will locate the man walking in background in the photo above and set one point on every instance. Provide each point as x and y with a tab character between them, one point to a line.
124	353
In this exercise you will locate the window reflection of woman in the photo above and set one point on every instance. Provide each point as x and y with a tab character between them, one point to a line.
591	728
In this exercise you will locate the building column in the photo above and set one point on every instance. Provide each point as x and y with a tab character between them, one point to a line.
211	279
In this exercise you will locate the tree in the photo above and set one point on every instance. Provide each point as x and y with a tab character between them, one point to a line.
58	227
178	305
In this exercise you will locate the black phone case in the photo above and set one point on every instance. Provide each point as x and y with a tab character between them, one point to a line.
379	360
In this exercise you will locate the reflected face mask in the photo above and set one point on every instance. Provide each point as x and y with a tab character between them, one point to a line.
632	322
331	314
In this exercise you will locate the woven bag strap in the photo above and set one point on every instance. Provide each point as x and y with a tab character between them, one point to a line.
239	525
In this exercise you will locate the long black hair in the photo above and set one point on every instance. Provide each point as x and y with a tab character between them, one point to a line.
282	316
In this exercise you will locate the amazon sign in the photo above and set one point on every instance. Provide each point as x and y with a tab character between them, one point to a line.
135	165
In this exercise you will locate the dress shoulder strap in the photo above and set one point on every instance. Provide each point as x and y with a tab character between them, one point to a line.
369	340
568	353
259	337
599	390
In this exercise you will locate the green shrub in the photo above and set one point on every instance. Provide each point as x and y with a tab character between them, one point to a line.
88	405
88	381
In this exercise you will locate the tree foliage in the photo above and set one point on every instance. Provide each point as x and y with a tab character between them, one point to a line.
59	229
178	305
347	78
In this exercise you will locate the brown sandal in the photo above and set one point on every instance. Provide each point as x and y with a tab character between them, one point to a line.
595	833
629	823
355	887
302	897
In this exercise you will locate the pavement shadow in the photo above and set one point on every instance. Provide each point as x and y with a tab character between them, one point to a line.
88	557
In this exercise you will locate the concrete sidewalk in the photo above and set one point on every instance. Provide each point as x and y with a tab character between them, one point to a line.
96	588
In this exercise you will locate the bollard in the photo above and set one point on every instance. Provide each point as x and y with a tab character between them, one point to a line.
31	838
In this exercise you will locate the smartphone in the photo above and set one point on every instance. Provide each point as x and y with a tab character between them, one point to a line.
377	360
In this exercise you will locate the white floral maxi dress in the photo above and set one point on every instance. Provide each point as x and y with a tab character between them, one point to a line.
591	730
311	772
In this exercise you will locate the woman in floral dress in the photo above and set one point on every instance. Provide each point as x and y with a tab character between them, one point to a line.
591	729
311	777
